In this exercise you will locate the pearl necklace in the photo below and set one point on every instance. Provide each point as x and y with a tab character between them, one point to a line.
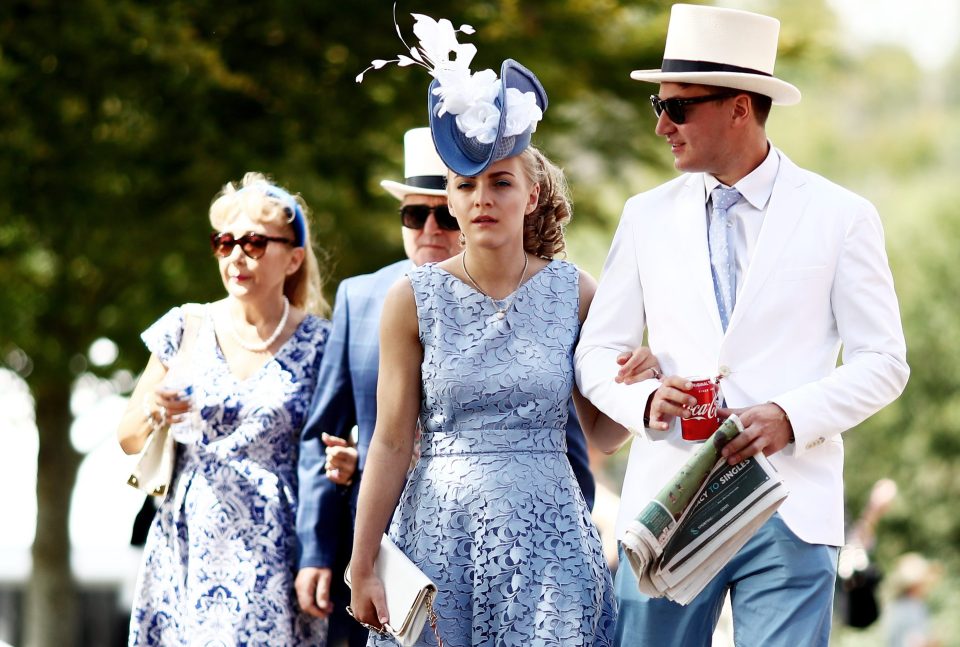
267	343
502	311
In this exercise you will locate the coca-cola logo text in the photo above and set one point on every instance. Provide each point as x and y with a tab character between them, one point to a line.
704	410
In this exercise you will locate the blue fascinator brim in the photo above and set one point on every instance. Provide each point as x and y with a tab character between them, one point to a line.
466	156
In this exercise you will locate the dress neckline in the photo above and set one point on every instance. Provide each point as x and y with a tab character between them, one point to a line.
208	318
471	288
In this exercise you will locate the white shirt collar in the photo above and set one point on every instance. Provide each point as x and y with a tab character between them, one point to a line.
757	185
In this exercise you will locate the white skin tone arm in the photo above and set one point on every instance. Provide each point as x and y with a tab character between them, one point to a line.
602	432
398	406
134	428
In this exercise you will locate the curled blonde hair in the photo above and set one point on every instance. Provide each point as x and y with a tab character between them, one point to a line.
543	227
250	196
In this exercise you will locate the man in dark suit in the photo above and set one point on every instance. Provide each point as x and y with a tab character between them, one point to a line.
331	463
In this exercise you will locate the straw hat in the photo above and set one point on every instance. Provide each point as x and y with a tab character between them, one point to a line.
424	170
913	570
722	47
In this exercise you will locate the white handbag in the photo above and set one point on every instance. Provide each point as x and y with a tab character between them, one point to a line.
154	469
409	594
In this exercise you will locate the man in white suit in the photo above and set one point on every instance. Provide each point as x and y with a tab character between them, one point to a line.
792	269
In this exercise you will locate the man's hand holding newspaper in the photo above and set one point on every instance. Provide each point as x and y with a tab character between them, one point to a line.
701	518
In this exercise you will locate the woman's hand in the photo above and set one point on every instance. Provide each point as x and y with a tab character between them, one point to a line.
368	602
170	399
143	412
636	366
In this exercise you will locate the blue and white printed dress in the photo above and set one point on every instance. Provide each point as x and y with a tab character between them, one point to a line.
492	512
220	559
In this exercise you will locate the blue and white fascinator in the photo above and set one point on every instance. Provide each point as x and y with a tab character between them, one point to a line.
476	118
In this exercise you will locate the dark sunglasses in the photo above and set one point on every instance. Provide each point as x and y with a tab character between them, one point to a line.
676	109
253	245
414	216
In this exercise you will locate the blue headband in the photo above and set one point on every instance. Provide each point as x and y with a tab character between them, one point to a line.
297	218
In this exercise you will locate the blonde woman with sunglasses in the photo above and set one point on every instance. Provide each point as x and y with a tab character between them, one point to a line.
220	558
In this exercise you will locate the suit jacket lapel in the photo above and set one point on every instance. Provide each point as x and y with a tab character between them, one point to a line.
693	252
787	203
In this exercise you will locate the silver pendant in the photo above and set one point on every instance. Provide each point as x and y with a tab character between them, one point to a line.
501	314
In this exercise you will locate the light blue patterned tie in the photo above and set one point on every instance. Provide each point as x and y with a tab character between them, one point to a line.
723	260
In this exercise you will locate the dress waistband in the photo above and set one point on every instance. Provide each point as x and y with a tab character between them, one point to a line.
493	441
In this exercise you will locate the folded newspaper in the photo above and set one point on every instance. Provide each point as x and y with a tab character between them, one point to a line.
701	518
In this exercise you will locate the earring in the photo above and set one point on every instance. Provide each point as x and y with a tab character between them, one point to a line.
463	239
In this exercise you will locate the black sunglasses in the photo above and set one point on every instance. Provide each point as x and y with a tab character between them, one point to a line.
676	109
253	245
414	216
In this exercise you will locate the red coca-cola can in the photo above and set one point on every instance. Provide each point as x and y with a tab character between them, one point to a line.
703	419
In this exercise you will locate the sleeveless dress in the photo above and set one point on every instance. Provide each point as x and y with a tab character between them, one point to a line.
492	512
220	558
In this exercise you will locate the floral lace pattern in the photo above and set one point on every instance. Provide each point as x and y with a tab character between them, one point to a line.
220	559
492	512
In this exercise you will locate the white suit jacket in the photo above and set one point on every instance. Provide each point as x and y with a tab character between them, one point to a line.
818	280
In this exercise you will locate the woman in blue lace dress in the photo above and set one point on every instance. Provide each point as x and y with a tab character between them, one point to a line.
220	560
478	349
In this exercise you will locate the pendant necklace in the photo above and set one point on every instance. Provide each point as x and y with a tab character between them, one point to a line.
501	311
265	344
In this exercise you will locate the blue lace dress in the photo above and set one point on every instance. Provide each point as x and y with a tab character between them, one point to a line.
220	558
492	512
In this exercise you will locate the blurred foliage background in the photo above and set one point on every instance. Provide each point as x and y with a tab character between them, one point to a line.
120	120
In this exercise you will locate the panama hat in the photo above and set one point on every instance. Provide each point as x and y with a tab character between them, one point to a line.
912	570
424	170
722	47
466	155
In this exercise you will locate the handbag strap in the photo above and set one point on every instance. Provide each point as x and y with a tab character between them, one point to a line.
192	313
433	619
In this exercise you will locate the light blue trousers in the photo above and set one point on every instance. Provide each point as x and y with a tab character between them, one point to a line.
781	590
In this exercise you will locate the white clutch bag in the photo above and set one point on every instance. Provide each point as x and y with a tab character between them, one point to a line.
409	594
154	469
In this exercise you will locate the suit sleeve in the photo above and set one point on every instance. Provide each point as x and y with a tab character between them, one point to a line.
615	324
874	370
322	505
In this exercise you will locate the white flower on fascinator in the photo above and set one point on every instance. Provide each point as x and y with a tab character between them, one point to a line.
522	112
469	96
438	39
460	91
480	121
